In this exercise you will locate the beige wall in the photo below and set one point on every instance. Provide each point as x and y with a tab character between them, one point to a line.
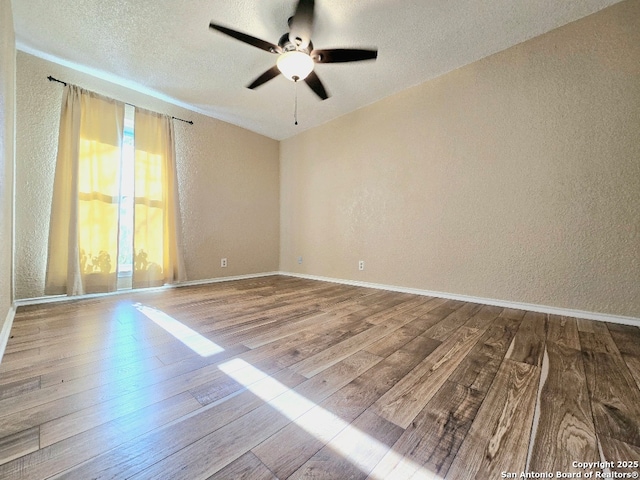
228	180
7	109
514	178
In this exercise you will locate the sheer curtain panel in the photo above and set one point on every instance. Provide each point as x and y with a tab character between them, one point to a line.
156	238
83	233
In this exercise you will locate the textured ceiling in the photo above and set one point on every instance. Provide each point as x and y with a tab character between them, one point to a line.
165	48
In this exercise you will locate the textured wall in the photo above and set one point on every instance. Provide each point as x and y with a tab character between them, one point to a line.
514	178
7	109
228	180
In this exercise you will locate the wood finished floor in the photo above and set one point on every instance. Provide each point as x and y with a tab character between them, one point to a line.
311	380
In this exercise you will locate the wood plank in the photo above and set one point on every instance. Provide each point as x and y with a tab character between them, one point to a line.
240	333
488	312
20	387
495	442
514	314
293	349
393	341
425	321
354	452
247	467
626	337
615	399
619	452
563	331
591	326
285	451
603	343
432	440
563	429
330	356
215	390
421	347
19	444
485	315
633	363
413	306
107	370
16	360
480	366
337	376
452	322
528	344
404	401
271	334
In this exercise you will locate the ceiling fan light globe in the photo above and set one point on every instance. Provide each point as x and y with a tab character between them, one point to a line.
295	65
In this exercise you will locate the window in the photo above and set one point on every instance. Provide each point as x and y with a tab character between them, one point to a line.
116	226
125	221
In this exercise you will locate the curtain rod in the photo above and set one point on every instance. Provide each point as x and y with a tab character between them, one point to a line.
51	79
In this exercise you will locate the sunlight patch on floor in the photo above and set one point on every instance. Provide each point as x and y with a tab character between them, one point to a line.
192	339
348	441
351	443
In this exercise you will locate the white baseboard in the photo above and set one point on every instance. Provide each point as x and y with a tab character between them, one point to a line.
6	330
603	317
66	298
226	279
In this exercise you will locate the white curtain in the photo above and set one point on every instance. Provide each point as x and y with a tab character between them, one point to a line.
156	241
83	233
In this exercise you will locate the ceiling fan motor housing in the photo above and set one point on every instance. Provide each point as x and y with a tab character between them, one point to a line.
287	45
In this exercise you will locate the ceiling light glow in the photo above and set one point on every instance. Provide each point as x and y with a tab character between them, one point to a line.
295	65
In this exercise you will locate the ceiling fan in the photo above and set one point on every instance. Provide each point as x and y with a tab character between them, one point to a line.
296	55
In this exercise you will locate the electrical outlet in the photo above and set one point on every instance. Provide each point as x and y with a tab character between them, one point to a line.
300	260
361	265
223	262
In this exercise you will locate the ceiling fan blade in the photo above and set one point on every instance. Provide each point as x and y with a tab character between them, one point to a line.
341	55
302	23
243	37
265	77
316	85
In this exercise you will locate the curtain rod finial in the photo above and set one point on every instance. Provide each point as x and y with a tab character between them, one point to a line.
51	79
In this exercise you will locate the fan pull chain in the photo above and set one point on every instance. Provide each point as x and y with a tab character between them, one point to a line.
295	109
